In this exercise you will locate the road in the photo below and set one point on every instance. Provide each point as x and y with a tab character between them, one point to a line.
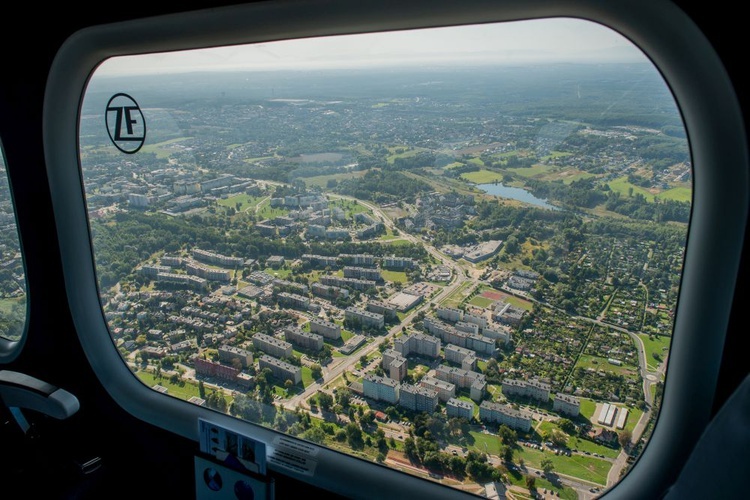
459	277
347	363
341	365
648	377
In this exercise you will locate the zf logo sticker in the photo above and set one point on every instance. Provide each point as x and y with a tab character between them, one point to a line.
125	123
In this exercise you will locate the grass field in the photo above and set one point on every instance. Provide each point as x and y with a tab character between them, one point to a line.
351	207
266	211
397	242
346	335
676	194
481	301
482	177
534	171
184	391
395	276
599	363
518	302
453	165
162	149
634	414
407	153
622	186
587	468
246	201
458	295
659	345
588	407
518	479
322	180
581	466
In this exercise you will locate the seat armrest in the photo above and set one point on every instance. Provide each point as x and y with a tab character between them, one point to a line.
18	390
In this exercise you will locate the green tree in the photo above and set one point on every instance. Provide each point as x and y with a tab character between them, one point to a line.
624	438
354	436
410	448
567	426
507	453
531	484
325	401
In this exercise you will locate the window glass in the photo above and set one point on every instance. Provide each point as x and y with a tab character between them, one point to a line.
13	301
454	251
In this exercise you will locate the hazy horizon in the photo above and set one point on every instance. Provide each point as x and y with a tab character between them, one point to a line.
521	42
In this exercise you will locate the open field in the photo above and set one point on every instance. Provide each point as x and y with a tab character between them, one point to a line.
659	345
322	180
163	149
482	177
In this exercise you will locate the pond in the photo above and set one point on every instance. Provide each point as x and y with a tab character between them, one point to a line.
498	189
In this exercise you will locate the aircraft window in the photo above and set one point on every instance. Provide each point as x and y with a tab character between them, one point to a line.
454	251
13	298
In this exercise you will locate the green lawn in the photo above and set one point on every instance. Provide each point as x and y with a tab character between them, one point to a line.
659	345
246	201
518	479
394	276
351	207
588	407
575	443
569	179
162	149
622	186
481	301
322	180
457	296
488	443
185	391
346	335
516	302
268	212
397	242
582	466
453	165
482	177
307	378
281	273
634	414
677	194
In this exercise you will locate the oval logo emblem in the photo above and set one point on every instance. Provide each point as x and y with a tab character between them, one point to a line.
126	125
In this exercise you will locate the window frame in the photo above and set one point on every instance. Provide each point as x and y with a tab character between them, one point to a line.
667	36
11	348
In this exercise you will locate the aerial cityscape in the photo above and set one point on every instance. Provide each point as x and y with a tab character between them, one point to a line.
468	274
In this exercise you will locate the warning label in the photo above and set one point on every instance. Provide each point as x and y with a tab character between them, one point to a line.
293	455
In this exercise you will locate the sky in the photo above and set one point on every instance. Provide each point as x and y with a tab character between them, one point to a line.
546	40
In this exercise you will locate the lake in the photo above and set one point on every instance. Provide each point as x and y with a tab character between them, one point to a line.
515	193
